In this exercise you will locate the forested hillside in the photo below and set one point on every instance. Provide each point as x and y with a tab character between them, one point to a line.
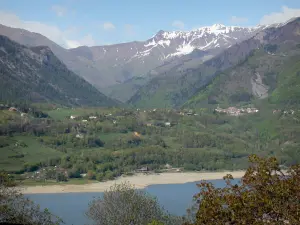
106	143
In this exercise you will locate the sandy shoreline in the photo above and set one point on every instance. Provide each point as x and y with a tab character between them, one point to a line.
139	181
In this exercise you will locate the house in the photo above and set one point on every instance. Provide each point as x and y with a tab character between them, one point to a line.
84	121
168	124
79	136
12	109
143	169
168	166
93	117
149	124
136	134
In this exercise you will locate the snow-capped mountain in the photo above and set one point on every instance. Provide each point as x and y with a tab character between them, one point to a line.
109	65
179	43
124	61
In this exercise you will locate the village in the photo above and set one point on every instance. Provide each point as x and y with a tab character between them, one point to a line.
58	174
233	111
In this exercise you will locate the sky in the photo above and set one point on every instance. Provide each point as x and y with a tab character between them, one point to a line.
72	23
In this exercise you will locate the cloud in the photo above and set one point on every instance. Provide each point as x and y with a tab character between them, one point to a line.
238	20
178	24
64	38
59	10
280	17
108	26
85	41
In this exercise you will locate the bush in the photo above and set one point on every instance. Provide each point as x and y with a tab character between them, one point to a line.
91	175
265	196
16	209
123	204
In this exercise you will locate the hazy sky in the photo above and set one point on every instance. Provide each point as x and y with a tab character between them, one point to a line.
71	23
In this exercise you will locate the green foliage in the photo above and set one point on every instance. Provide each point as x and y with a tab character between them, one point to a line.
123	204
107	145
287	92
16	209
266	195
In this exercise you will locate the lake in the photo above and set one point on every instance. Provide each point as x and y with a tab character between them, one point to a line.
176	198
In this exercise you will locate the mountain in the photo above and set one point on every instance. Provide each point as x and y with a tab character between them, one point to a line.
136	59
175	84
73	62
37	75
106	66
271	72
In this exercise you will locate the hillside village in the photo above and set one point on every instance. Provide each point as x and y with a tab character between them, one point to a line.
233	111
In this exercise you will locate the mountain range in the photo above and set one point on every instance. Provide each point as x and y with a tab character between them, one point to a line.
173	86
177	68
109	67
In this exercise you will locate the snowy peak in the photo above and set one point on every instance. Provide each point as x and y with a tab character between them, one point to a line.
208	38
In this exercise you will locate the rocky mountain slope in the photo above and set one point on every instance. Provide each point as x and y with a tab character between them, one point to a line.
270	72
31	39
182	80
37	75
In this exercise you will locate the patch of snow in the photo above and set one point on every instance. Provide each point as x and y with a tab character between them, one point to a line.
150	43
164	42
183	50
207	45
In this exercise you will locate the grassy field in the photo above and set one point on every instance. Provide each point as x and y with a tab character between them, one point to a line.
74	181
6	116
62	113
24	149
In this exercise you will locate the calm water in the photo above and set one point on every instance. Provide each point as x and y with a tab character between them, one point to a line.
176	198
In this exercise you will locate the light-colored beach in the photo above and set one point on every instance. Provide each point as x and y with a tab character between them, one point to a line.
138	180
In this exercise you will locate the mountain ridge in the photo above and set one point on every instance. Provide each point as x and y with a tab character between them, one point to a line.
174	86
103	66
36	74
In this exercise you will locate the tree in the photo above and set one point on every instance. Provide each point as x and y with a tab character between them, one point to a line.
122	204
60	177
265	195
91	175
16	209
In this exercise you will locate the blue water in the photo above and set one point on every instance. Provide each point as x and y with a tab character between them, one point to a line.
175	198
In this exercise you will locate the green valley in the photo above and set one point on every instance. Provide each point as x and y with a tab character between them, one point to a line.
103	143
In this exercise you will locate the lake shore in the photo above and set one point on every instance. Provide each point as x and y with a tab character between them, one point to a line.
138	180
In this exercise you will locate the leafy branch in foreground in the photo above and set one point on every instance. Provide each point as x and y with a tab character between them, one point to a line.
17	209
266	195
